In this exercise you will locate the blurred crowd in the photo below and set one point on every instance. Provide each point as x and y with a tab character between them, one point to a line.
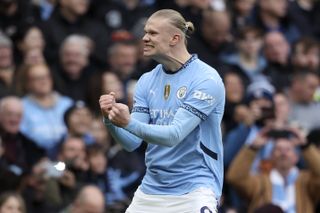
58	56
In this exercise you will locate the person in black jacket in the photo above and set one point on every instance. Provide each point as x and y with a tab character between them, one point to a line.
18	154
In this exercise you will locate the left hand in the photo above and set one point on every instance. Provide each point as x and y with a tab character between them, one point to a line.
119	115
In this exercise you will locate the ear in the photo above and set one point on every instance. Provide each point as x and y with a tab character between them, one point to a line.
175	39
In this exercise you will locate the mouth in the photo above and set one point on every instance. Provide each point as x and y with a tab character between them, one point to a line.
147	47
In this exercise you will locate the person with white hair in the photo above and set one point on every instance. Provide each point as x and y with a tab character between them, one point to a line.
89	200
17	152
74	68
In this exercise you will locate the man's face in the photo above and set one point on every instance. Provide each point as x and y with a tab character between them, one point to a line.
80	121
74	59
98	163
215	28
276	48
158	34
124	59
306	59
284	156
10	117
72	149
39	80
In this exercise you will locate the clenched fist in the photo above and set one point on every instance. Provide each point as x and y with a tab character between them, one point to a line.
117	113
106	102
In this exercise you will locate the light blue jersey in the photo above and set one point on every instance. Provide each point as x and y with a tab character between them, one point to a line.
179	115
45	125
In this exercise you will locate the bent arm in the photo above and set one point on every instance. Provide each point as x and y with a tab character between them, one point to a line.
239	175
127	140
183	124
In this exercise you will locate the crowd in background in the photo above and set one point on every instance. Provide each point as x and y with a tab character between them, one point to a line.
58	56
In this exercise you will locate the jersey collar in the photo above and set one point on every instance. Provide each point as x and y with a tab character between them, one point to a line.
191	59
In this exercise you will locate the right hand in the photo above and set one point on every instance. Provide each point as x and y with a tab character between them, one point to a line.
106	102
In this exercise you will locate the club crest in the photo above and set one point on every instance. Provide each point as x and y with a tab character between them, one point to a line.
181	93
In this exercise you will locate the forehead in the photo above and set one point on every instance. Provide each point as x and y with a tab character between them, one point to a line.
283	143
155	23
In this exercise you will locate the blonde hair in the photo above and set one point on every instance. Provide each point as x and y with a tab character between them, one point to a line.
177	20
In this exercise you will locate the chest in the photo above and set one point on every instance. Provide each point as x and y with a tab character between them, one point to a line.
166	95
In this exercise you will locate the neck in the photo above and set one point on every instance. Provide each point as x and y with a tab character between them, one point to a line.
174	61
284	172
248	58
45	100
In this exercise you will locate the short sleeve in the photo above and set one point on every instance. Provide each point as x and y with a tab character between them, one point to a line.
206	96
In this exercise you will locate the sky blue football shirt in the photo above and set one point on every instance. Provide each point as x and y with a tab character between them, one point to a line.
179	115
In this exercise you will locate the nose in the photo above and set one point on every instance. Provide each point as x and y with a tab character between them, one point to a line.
145	37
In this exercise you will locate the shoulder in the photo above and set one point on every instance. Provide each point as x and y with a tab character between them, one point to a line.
205	74
64	100
146	77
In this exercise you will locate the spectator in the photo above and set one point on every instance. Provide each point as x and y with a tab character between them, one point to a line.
292	189
69	18
123	59
7	66
19	154
44	108
276	51
74	68
63	189
214	38
235	95
73	152
258	114
282	111
99	174
304	110
240	12
12	202
90	199
306	55
100	134
29	41
35	192
192	10
122	15
13	15
102	83
303	15
247	58
78	119
272	15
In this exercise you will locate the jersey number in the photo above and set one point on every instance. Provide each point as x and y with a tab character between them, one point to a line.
205	209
